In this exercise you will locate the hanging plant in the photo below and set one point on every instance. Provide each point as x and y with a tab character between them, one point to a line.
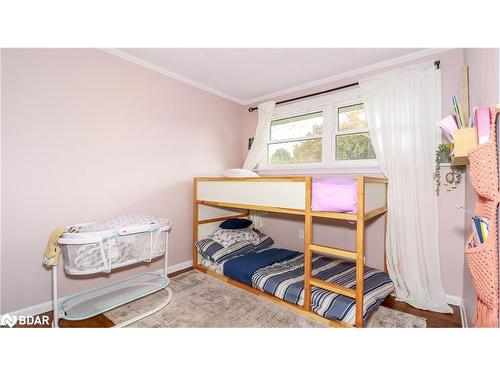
455	175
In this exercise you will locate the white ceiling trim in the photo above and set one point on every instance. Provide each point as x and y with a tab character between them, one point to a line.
333	78
166	72
351	73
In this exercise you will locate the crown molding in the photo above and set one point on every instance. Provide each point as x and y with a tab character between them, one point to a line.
168	73
329	79
351	73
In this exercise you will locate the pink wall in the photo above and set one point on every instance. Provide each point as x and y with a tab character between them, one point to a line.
87	135
451	230
483	91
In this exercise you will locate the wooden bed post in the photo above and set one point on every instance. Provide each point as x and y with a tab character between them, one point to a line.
307	245
385	227
360	264
385	242
195	223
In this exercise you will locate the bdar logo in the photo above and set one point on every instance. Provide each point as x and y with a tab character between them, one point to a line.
8	320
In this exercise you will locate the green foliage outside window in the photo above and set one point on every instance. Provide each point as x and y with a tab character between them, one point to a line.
281	156
348	146
354	146
309	151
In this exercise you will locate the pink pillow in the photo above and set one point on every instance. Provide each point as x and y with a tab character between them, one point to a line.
337	194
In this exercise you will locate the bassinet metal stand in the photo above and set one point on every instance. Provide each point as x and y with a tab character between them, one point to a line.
163	273
167	300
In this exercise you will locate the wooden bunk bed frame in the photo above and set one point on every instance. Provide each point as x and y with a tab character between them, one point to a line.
232	207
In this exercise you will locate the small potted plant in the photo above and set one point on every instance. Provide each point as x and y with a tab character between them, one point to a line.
443	155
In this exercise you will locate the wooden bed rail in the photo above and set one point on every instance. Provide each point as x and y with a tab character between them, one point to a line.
381	180
252	207
222	218
254	179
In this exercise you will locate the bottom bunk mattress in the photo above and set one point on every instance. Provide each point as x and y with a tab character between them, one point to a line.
280	272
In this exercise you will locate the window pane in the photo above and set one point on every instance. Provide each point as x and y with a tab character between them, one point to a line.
297	126
294	152
352	117
354	146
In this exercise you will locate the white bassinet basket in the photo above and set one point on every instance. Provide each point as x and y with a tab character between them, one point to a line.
102	246
118	242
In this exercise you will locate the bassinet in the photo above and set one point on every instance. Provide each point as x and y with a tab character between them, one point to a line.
105	245
117	242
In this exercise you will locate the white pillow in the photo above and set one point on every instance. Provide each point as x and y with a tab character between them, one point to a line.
237	172
227	237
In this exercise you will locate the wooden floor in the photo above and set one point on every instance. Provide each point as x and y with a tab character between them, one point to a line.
434	319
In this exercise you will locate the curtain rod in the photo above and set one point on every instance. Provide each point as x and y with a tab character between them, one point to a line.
251	109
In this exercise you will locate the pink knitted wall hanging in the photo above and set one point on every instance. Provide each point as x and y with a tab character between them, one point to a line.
483	259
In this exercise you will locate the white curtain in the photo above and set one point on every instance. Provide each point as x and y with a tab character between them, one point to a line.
265	113
402	107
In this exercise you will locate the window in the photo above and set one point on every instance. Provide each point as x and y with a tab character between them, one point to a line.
352	141
296	139
328	132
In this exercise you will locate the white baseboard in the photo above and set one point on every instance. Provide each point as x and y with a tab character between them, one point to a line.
180	266
454	300
47	306
458	301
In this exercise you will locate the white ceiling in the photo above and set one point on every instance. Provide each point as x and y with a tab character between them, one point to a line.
249	75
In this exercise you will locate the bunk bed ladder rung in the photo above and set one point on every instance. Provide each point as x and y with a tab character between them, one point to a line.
333	251
333	287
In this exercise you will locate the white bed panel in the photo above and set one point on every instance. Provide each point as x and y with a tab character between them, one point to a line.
283	194
375	196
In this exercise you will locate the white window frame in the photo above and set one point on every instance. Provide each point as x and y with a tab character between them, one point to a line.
329	105
299	139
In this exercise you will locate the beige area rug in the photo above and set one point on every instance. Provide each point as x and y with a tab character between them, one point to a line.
203	301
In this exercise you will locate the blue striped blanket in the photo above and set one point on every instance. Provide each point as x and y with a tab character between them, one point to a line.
285	280
242	268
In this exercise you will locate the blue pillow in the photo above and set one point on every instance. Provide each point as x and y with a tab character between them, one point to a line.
235	224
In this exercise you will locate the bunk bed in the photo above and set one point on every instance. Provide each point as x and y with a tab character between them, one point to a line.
218	199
